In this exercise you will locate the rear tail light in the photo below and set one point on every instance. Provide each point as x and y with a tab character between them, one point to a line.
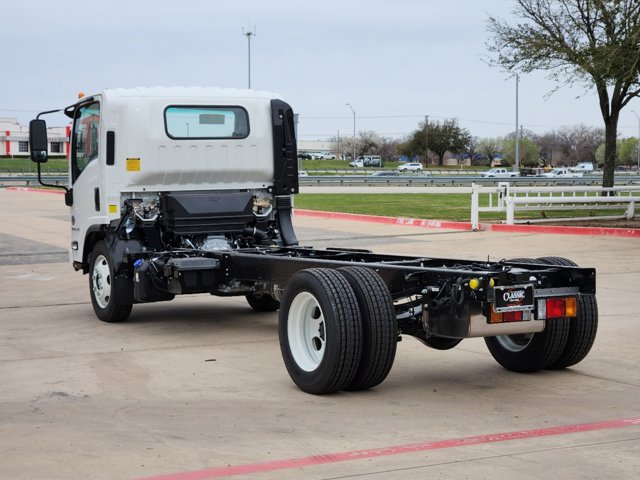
557	307
516	316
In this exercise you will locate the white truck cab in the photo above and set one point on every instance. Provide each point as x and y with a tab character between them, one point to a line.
137	145
166	168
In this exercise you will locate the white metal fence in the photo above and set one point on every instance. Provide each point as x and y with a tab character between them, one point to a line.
509	200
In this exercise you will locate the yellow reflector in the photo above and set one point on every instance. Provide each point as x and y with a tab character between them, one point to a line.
474	284
133	164
113	208
571	307
491	283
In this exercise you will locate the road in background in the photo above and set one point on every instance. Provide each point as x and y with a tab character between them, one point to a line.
198	384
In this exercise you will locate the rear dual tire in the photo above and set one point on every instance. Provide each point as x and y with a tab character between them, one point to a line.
337	329
564	341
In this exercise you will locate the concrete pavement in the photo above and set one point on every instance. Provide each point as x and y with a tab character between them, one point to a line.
187	388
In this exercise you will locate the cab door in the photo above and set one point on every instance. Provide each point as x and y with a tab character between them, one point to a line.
86	147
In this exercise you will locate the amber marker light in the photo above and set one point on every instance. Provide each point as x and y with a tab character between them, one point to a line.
571	307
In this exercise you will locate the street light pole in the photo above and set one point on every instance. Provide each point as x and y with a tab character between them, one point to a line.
354	131
249	34
517	166
638	144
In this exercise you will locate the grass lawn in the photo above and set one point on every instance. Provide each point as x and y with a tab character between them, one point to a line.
429	206
25	165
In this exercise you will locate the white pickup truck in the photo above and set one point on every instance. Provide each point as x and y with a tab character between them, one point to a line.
499	172
562	172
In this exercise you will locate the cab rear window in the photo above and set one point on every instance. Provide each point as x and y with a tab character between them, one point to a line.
200	122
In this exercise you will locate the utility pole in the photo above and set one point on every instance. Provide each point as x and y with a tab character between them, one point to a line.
354	131
638	144
249	34
426	140
517	165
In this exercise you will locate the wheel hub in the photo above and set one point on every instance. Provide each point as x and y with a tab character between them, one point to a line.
306	331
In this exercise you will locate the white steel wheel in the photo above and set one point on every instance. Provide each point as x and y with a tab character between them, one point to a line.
515	343
306	332
106	305
101	281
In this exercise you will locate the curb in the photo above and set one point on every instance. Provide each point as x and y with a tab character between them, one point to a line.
485	227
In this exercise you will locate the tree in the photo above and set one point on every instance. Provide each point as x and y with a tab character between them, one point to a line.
527	152
389	149
570	145
628	151
491	147
368	143
547	144
593	42
444	137
472	149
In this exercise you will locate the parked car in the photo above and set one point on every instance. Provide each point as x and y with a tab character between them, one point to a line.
583	167
324	156
385	173
410	167
499	172
302	173
561	172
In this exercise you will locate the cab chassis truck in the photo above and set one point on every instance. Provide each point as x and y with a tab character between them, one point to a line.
189	190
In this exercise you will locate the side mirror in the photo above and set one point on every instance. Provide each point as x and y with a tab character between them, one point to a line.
68	197
38	141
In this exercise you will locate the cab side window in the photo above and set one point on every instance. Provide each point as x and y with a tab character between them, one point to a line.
86	137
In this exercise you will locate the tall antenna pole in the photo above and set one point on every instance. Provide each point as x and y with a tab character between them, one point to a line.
249	33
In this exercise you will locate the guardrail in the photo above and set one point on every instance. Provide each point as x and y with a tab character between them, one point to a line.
509	199
408	180
417	180
29	180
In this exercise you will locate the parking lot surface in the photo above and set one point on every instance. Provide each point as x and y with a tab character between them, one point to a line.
196	388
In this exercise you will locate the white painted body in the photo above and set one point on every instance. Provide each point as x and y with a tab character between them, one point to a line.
148	161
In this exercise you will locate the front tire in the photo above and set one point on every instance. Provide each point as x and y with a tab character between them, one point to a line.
262	302
101	277
320	331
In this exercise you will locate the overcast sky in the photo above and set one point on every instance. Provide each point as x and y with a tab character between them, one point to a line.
393	61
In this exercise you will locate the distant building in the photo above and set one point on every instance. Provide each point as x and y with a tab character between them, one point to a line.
14	139
312	147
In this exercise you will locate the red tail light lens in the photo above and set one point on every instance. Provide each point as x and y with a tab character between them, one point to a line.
555	307
512	316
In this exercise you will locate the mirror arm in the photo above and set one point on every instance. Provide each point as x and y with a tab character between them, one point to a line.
49	184
47	112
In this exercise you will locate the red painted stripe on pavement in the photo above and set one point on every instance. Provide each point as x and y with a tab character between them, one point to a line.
394	450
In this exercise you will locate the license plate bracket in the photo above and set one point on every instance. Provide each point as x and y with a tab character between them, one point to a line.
513	298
